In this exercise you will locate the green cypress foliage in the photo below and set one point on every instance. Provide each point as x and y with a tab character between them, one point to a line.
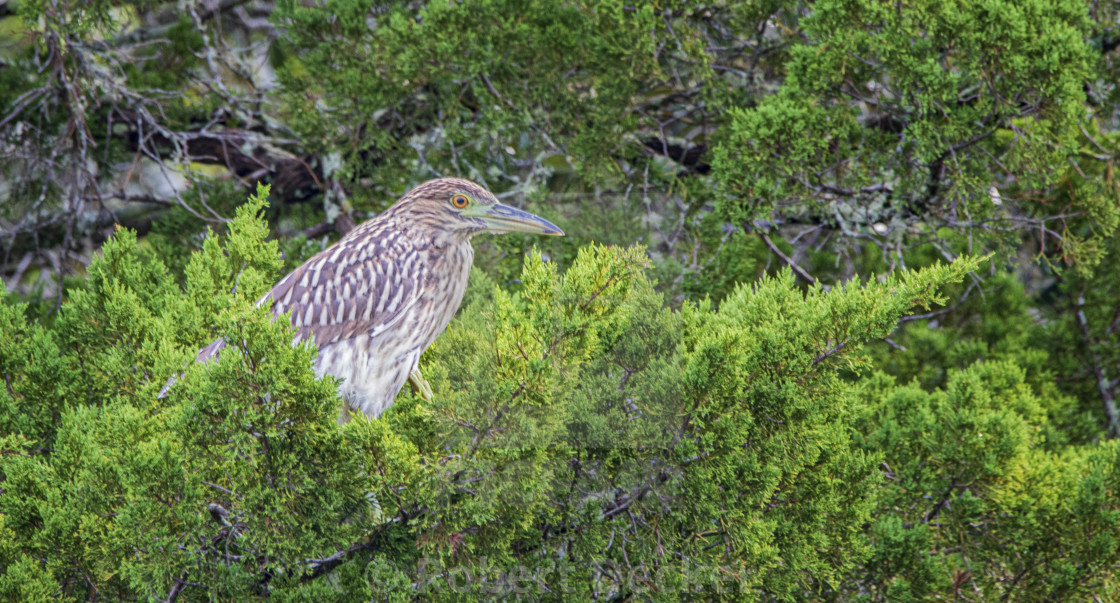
583	439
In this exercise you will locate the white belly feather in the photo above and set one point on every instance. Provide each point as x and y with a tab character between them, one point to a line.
373	372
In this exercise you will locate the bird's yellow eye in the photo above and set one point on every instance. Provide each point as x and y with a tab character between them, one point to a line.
460	200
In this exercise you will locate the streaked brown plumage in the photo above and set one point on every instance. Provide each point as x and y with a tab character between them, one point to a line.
374	301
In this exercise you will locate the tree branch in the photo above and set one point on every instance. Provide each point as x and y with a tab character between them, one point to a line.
829	352
177	588
788	260
1103	383
320	567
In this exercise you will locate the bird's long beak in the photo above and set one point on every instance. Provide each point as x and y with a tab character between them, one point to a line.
503	218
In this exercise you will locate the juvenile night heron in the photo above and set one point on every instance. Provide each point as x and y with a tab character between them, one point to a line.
376	299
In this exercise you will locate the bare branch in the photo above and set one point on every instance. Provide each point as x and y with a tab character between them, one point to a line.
788	260
1104	385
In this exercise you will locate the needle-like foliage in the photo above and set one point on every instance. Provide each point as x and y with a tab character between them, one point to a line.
584	440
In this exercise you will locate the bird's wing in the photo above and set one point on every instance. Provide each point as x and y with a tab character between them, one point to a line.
361	286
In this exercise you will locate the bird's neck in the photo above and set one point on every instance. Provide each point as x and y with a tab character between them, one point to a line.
437	238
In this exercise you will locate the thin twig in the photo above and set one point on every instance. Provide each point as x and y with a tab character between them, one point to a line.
788	260
1103	382
829	352
176	588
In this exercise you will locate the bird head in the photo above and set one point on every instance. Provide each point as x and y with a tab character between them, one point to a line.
465	208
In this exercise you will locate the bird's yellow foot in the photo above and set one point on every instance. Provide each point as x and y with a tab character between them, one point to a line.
420	385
